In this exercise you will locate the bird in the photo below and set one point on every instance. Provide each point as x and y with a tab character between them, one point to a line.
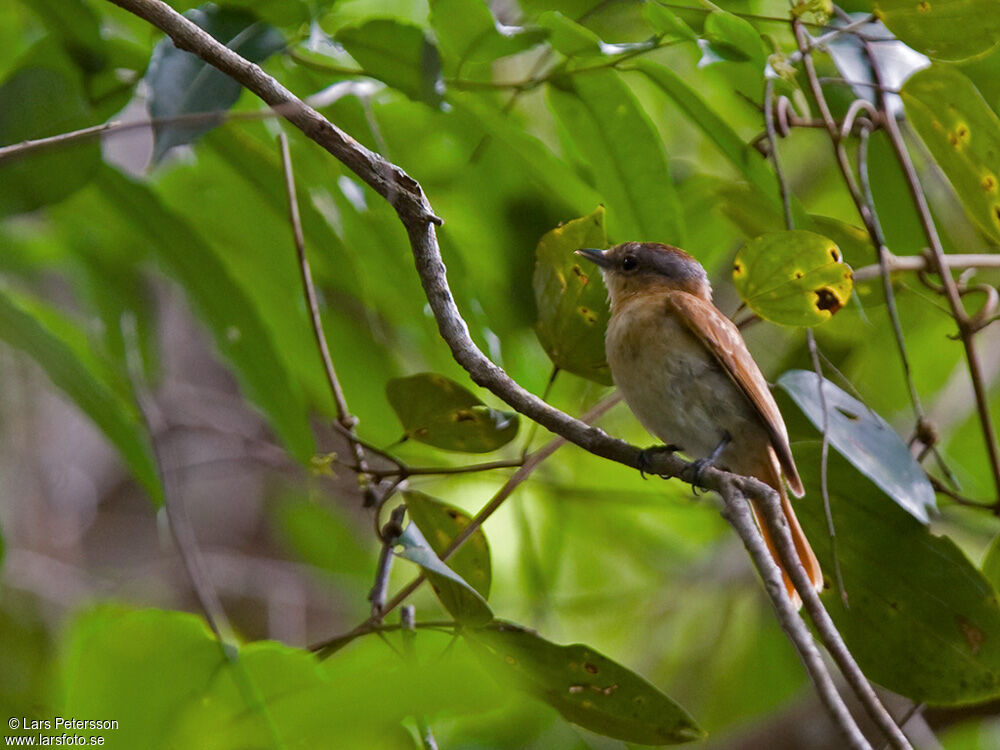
687	375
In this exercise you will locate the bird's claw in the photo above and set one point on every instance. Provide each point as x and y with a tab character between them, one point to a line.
645	458
693	471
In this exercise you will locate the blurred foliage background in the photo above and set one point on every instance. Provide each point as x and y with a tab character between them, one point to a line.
157	266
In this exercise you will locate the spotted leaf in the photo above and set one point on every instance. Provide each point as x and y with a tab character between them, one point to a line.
439	412
572	300
462	601
795	278
585	687
963	135
441	523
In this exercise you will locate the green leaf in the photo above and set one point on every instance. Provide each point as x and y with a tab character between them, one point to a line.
730	38
864	439
569	37
461	600
440	523
399	54
439	412
536	160
168	683
991	563
39	101
963	134
943	29
665	21
467	33
111	655
225	307
795	278
572	299
586	687
180	83
603	119
909	592
61	350
751	164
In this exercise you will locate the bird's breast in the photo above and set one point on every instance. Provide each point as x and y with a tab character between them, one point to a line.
672	383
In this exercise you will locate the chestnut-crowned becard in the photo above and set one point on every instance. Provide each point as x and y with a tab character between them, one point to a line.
688	377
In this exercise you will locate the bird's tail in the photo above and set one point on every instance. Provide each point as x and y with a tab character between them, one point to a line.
802	548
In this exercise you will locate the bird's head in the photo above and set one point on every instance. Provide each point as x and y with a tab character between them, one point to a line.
648	267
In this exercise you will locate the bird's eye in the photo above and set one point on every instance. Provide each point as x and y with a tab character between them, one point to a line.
630	263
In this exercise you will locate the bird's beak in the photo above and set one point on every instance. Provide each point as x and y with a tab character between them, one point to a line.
594	256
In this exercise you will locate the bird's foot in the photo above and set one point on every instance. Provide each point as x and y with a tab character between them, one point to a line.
695	469
646	457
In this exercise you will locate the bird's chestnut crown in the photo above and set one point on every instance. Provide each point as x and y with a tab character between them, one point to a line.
647	267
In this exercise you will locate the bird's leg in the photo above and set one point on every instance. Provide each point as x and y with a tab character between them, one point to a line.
698	467
646	457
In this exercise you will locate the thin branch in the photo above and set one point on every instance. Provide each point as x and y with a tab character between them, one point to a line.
922	263
813	349
416	471
737	512
965	329
24	148
416	215
345	419
177	517
389	534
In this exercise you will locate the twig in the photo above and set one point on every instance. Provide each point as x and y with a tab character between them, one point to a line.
811	338
24	148
965	328
177	517
921	263
345	419
828	632
415	471
416	215
737	512
389	534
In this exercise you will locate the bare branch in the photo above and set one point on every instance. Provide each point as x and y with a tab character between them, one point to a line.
922	263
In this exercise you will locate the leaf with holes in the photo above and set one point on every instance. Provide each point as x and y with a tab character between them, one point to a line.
181	84
795	278
439	412
864	439
440	524
572	300
397	53
462	601
586	687
943	29
963	135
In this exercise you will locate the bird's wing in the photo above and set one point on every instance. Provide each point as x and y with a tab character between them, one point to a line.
724	341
